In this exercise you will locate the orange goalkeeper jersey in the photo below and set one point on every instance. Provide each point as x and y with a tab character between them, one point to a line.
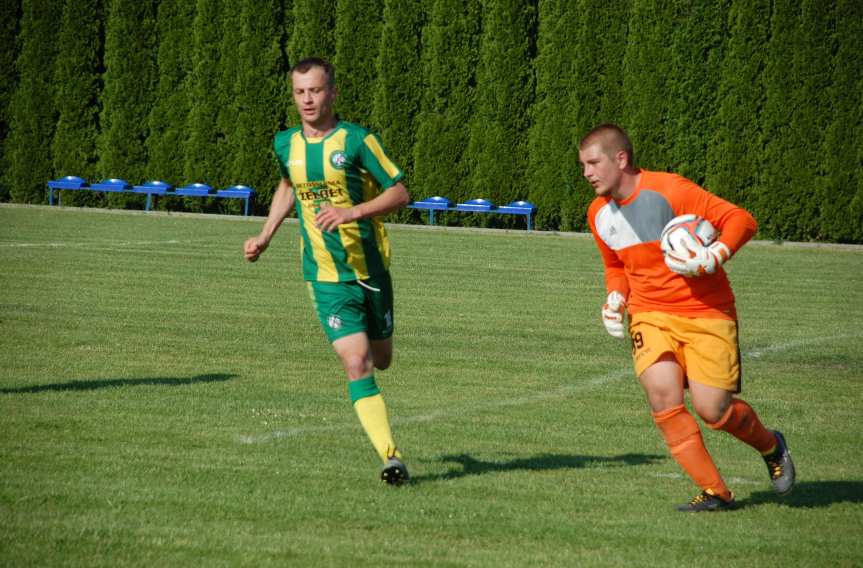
627	233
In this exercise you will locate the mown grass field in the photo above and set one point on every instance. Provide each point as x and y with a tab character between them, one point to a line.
163	403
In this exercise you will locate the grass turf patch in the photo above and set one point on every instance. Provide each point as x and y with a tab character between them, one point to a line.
163	402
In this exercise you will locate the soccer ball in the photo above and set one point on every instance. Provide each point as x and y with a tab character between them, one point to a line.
686	234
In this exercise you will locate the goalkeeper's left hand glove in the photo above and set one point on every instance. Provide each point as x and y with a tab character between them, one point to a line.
613	313
704	260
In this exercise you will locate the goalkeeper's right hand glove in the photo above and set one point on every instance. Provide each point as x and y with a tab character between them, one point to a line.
700	260
613	313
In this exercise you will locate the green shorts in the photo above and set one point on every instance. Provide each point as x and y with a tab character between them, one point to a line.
345	308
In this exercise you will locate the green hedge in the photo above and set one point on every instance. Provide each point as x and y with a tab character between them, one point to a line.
76	94
128	94
841	192
450	47
203	161
9	19
258	92
170	111
27	149
497	149
358	32
399	85
566	106
734	148
759	100
313	35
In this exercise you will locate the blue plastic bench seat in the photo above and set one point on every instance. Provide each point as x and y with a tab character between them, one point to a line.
525	208
152	188
195	190
243	192
235	191
435	203
431	204
112	185
475	205
68	182
517	208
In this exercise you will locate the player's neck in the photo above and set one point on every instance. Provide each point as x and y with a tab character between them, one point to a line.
320	128
628	182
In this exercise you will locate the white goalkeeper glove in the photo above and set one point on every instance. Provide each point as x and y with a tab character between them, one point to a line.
698	261
612	315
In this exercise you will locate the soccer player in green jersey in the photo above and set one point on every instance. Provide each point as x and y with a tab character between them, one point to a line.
341	180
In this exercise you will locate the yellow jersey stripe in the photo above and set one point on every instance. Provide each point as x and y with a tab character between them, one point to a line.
374	146
370	191
348	232
323	259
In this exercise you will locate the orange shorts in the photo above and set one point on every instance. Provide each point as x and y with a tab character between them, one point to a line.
707	349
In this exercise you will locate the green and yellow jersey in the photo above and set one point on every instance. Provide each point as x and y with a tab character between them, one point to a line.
346	167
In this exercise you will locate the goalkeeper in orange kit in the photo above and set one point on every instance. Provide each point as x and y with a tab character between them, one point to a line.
683	321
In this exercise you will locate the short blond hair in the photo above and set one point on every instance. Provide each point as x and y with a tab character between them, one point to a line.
612	139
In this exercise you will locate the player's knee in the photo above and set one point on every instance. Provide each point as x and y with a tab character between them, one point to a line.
661	402
662	397
356	366
710	412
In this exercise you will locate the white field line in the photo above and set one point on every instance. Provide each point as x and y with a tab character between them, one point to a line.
100	244
432	416
789	345
559	392
734	480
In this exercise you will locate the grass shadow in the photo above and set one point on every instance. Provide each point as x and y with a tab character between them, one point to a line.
543	462
111	383
810	495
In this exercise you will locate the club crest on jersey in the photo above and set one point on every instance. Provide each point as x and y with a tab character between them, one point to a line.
334	321
338	159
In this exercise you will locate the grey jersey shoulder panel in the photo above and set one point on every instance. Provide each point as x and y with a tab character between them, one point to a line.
648	215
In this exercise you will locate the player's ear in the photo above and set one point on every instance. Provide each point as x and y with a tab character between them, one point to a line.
622	159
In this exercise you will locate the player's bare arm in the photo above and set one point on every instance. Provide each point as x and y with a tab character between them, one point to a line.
283	202
392	199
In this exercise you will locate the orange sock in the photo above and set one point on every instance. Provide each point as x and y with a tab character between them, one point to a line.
741	422
683	437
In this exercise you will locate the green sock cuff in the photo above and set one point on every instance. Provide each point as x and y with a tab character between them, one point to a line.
362	388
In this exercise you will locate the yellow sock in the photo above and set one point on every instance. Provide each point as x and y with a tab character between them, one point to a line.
372	413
